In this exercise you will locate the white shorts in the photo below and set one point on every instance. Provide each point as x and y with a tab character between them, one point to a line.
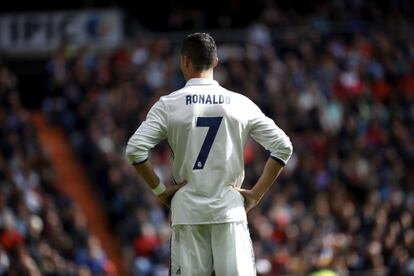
225	249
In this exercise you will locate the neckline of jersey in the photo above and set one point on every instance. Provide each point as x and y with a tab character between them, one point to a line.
201	81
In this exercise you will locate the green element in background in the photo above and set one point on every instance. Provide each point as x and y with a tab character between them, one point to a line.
324	272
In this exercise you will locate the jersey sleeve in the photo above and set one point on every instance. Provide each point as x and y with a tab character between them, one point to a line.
264	131
152	131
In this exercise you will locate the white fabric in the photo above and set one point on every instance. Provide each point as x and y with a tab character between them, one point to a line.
159	189
225	248
225	120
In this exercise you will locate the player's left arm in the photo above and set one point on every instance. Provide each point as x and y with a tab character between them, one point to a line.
146	171
151	132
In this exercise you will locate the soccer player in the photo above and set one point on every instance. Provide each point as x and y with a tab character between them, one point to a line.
207	127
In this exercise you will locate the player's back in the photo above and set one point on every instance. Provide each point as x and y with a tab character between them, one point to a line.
207	128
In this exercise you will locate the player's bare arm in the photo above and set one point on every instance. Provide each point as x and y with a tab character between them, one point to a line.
270	173
146	171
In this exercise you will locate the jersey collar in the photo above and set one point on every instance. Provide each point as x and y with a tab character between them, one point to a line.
201	81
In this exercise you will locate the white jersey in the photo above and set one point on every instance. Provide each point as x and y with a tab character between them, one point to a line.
207	128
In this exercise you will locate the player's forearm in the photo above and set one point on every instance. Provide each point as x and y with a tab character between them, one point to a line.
146	171
270	173
164	193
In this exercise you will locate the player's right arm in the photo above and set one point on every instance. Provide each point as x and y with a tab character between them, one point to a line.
269	175
264	131
272	138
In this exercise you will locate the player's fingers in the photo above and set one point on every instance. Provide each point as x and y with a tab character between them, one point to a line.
164	200
182	183
239	189
170	192
243	192
179	185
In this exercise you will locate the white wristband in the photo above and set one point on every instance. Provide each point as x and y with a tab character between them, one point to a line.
159	189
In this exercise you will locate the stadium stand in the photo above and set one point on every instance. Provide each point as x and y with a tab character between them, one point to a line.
338	76
42	231
345	201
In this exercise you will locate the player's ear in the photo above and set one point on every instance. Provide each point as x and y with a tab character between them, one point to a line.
215	62
185	61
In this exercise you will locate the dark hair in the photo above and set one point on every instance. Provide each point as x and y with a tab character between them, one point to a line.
201	49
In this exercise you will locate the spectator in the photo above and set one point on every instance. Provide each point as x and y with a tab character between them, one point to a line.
345	200
40	228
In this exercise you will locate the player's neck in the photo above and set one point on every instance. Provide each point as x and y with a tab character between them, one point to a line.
205	74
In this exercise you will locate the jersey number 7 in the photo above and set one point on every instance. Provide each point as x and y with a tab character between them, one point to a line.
213	124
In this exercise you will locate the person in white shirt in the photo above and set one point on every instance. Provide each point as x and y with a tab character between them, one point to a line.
207	128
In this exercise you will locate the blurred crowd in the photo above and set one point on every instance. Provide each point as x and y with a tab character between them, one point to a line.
345	201
188	15
42	232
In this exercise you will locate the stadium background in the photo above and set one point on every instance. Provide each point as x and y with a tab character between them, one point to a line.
77	78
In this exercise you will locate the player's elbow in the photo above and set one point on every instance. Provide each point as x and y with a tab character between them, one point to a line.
284	149
136	153
287	148
130	153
